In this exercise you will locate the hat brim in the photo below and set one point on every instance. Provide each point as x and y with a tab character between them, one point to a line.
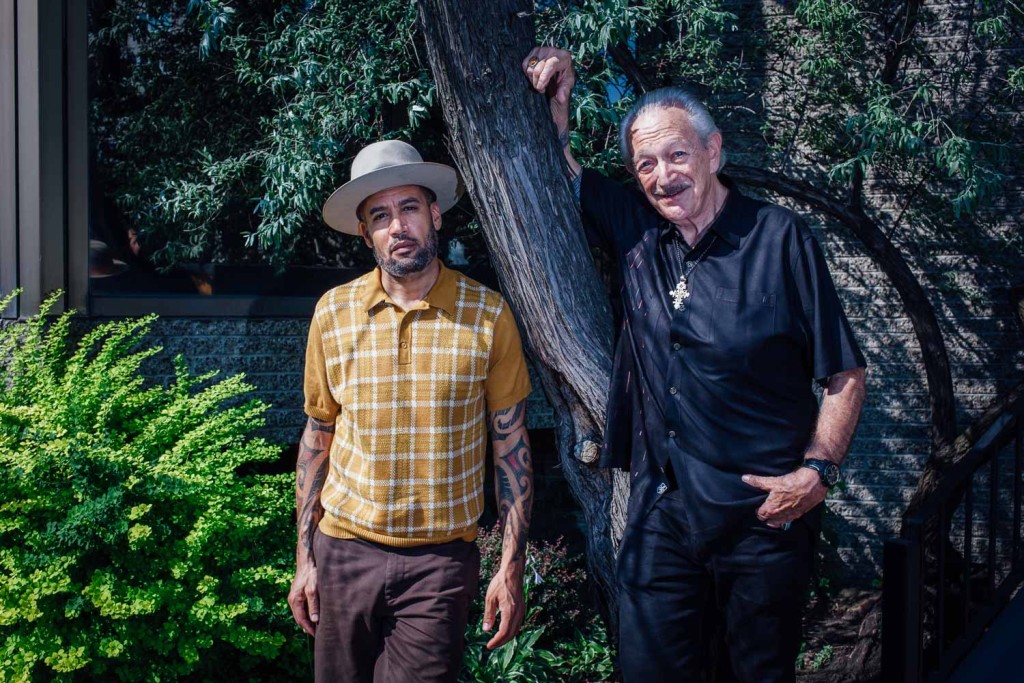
340	209
114	267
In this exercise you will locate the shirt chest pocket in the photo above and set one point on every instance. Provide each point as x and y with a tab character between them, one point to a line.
742	320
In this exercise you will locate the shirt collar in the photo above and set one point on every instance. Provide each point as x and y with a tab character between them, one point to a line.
441	295
725	223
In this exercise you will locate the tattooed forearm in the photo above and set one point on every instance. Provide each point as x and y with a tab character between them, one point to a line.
503	422
513	472
316	425
312	511
310	474
563	137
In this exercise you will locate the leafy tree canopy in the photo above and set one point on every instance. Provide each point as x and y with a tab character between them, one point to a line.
221	125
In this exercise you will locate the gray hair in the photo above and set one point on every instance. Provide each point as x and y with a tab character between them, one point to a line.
667	98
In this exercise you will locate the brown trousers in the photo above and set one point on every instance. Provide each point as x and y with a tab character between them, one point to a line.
392	615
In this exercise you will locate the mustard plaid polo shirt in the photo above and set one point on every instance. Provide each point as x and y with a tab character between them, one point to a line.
409	392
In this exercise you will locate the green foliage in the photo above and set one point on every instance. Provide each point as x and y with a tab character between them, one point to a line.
222	126
1015	80
876	102
518	660
586	656
811	661
672	40
131	548
559	642
230	154
556	578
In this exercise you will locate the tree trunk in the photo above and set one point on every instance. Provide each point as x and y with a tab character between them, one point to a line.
505	146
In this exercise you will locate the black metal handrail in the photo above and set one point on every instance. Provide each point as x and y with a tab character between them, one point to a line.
937	601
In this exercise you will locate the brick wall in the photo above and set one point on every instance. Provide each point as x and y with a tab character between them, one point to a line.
984	343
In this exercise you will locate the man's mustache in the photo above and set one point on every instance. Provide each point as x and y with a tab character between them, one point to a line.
670	190
402	240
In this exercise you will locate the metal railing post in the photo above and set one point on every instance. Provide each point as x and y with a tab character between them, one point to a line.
901	611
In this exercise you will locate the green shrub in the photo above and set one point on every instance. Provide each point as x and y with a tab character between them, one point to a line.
131	546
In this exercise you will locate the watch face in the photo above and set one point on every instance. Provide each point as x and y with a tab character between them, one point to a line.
831	474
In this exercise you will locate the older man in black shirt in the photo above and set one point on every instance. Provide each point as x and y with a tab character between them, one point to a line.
729	314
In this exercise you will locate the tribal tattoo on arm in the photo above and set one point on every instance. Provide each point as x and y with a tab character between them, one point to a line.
513	474
310	474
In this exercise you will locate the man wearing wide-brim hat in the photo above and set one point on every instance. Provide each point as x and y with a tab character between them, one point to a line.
406	369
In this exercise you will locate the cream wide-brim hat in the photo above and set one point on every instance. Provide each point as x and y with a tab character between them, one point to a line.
381	166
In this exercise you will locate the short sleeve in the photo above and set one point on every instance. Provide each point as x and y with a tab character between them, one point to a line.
508	381
833	347
319	403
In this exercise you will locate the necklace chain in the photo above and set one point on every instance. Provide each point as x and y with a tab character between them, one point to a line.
681	292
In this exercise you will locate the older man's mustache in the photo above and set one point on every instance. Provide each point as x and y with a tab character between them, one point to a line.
670	190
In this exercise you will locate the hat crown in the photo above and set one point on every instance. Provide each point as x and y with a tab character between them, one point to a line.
383	165
384	154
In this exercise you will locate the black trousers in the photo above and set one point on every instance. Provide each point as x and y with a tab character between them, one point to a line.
732	606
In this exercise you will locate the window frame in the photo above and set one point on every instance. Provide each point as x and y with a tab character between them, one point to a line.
45	179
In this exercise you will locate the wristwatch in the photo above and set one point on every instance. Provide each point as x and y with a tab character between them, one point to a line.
827	470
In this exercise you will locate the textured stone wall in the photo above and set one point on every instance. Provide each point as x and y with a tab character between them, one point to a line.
270	353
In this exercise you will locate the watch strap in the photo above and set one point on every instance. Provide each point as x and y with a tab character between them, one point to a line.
823	468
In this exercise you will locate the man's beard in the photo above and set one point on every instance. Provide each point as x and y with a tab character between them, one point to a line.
424	255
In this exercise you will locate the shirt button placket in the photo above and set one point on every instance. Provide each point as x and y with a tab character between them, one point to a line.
404	341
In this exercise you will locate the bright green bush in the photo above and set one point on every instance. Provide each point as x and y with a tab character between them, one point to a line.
133	546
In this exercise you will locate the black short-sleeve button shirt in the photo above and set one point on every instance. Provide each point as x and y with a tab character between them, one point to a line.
722	387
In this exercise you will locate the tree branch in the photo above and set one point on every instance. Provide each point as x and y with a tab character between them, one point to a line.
623	58
896	47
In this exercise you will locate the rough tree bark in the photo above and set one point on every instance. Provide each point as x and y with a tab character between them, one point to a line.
505	145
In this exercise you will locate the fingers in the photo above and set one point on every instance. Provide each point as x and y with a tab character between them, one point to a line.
546	72
790	496
304	601
775	516
313	602
530	60
763	483
771	518
297	603
774	510
511	619
542	52
490	609
545	66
